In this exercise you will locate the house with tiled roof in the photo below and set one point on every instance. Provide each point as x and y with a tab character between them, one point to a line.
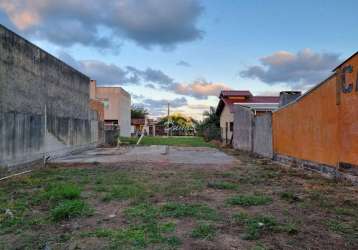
225	108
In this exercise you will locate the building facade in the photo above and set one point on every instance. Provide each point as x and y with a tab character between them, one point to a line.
117	107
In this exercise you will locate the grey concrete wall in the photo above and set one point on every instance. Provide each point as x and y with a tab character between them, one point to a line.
243	128
262	144
38	91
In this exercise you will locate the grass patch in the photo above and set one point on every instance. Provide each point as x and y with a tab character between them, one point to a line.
289	196
198	211
62	191
126	191
128	140
249	200
223	185
191	141
144	212
69	209
255	226
204	231
345	229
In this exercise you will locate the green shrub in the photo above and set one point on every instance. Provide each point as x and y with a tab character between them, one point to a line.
62	191
289	196
70	209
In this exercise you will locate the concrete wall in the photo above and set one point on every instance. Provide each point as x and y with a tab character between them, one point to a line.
38	91
262	144
252	133
243	128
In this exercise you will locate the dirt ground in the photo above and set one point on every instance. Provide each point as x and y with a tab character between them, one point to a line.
172	202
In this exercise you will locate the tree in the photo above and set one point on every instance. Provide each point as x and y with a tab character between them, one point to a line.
178	123
138	112
209	128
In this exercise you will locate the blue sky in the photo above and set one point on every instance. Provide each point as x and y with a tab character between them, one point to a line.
185	51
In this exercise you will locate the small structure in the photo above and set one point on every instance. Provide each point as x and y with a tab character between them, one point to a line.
117	107
144	125
225	109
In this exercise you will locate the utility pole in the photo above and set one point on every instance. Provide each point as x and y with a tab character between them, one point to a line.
168	117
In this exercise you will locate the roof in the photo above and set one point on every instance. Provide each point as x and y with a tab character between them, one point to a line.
137	121
253	100
227	93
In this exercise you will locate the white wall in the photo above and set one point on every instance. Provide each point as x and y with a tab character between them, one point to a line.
226	117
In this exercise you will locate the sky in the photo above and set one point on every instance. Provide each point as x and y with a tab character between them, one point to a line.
186	51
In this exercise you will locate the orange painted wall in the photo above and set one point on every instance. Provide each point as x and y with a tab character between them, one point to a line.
315	128
348	117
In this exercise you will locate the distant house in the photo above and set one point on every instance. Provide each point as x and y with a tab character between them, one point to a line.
145	125
225	109
117	107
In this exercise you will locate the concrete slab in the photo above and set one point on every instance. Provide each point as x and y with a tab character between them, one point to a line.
151	154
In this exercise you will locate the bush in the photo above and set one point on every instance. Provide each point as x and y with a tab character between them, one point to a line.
69	209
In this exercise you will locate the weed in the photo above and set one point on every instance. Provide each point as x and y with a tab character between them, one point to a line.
258	247
145	212
289	196
69	209
127	191
343	228
198	211
138	236
256	225
222	185
249	200
204	231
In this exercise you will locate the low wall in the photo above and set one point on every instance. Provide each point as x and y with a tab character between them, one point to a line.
252	133
243	128
263	135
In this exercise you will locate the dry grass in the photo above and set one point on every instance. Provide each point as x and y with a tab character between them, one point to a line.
254	205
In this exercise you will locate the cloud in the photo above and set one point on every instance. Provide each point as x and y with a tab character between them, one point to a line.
151	78
183	63
102	72
159	107
103	24
199	89
304	68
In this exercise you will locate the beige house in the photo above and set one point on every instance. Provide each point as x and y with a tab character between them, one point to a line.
225	109
117	107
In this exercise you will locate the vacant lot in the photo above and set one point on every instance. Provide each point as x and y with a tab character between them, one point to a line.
192	141
252	205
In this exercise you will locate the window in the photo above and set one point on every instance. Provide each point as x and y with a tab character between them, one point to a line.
231	126
105	103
